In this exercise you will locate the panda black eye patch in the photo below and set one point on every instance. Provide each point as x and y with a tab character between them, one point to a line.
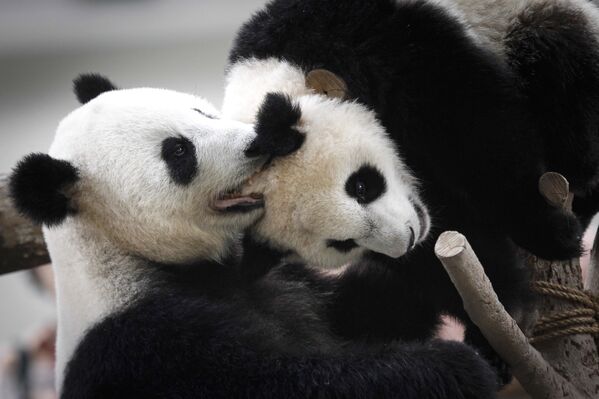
366	184
180	157
342	246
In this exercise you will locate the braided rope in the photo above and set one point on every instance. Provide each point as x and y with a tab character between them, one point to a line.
582	320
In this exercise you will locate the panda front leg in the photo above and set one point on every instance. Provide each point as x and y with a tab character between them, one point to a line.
543	229
433	370
379	299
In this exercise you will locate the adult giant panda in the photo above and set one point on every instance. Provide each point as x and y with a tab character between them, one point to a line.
463	122
143	220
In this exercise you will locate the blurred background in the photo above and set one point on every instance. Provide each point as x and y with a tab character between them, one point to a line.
44	44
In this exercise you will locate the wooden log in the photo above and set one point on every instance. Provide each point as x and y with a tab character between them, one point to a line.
21	243
480	301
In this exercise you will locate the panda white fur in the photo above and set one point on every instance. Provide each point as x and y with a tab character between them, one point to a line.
142	218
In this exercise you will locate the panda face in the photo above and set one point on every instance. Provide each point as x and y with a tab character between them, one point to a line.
158	173
345	191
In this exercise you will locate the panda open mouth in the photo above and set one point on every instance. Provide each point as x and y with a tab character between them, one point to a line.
235	202
342	246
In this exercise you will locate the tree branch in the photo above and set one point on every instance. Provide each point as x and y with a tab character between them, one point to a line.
21	243
480	301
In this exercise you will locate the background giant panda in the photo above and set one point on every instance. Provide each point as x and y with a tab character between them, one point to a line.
553	48
143	219
462	118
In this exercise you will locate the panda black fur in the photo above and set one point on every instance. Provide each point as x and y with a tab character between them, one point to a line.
151	306
553	48
469	124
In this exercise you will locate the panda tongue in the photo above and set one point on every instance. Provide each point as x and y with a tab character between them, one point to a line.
251	200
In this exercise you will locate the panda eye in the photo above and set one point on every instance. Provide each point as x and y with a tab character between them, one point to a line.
179	150
361	190
180	158
366	184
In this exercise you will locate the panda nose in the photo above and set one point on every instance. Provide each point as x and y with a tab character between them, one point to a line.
412	238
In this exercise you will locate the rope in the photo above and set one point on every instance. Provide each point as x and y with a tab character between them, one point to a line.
581	320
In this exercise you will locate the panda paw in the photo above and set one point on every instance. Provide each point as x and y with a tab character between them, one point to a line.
502	370
555	235
471	373
276	127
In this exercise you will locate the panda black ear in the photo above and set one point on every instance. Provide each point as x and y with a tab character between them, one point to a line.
38	188
89	86
275	127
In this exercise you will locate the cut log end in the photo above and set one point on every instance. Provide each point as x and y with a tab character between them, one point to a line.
556	190
326	82
450	244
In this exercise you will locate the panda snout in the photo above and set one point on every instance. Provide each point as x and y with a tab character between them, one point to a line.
422	218
412	239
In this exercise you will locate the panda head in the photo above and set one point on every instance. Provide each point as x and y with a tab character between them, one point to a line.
344	192
155	172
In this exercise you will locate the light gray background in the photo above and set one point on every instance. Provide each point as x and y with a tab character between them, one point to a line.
44	44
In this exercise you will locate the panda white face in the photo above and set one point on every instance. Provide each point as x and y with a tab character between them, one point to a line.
156	170
343	192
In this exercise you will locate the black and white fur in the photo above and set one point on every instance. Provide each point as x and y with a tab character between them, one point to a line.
344	192
477	121
142	219
122	185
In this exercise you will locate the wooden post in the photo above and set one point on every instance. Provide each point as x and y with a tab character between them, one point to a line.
21	243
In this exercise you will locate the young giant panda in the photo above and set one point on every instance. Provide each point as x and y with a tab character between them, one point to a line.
464	125
346	191
139	198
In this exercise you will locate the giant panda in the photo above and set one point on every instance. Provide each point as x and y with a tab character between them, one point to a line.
139	196
462	119
122	186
